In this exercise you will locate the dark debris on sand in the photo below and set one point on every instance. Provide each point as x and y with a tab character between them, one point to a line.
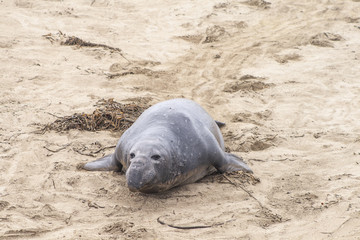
75	41
109	115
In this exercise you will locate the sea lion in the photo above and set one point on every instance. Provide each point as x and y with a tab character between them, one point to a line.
172	143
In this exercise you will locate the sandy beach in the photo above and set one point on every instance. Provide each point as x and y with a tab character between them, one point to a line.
283	75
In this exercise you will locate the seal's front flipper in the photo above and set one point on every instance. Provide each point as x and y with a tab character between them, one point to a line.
107	163
232	163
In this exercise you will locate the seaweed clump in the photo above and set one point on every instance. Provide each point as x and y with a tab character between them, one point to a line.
109	115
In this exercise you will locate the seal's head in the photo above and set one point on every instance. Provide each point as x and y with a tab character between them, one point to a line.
149	166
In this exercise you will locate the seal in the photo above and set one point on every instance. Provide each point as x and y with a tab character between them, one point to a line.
172	143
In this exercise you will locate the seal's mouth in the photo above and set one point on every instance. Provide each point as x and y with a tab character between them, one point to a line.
150	188
144	189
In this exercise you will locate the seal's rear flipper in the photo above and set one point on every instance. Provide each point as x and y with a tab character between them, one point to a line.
233	163
107	163
220	124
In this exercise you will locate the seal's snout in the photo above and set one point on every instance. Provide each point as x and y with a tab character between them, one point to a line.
137	163
140	175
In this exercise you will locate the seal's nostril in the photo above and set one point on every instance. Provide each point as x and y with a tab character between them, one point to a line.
156	157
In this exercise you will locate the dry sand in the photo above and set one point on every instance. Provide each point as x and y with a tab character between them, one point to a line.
284	76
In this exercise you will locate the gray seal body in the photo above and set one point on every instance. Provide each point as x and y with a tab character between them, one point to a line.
172	143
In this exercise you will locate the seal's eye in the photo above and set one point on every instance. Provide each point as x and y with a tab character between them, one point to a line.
155	157
132	155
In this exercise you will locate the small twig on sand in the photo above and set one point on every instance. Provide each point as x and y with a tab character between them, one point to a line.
92	153
337	227
283	159
101	149
94	205
192	227
85	154
256	160
266	210
57	150
245	190
53	115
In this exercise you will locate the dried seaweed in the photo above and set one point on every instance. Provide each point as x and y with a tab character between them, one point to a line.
63	39
109	115
75	41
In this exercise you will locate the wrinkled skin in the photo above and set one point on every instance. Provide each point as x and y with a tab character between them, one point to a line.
172	143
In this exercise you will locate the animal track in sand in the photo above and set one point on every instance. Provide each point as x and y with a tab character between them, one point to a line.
254	118
287	57
214	33
247	83
246	86
323	39
258	3
3	205
250	141
127	230
196	38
